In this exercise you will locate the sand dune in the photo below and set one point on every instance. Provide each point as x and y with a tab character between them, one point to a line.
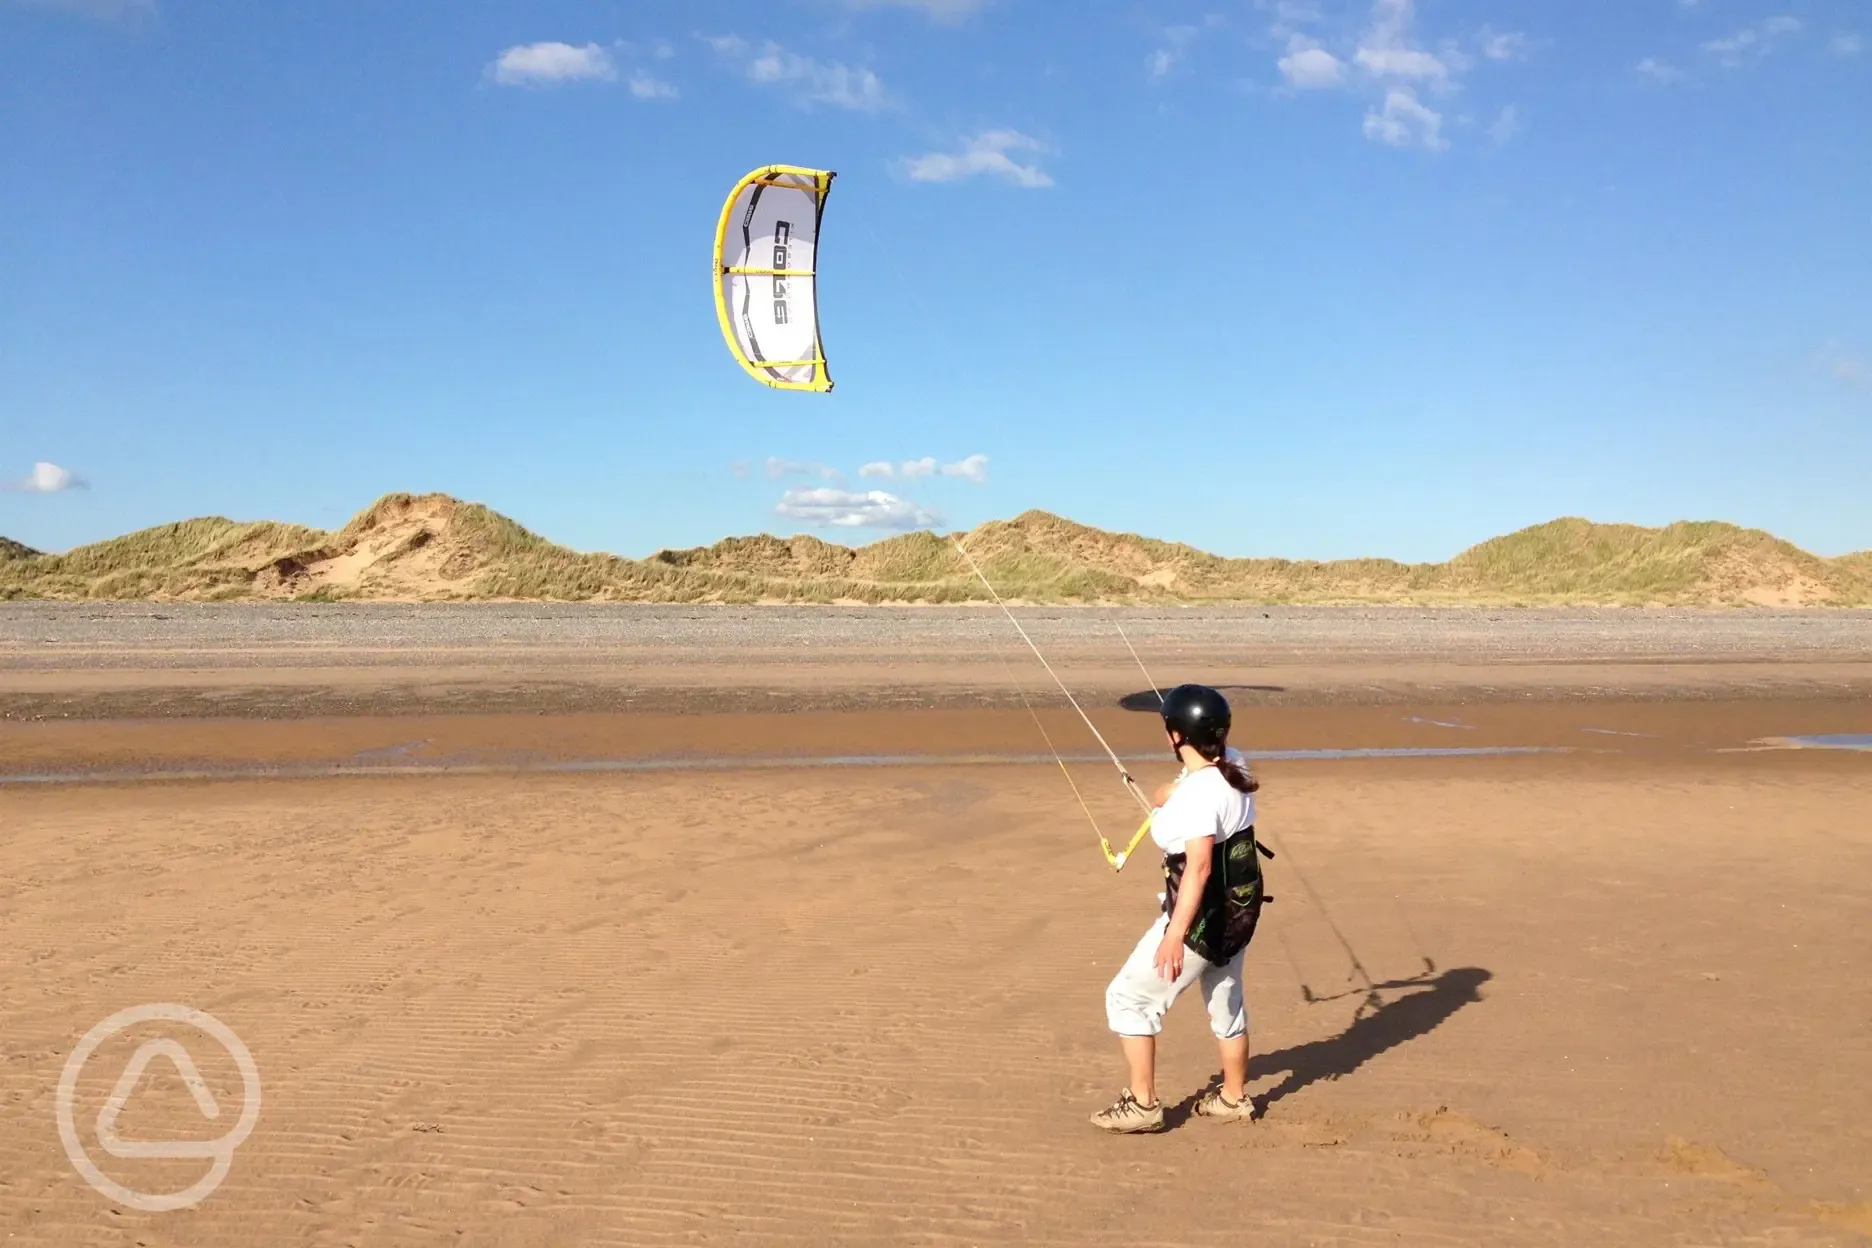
436	548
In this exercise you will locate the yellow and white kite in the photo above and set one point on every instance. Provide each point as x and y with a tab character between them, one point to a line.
766	276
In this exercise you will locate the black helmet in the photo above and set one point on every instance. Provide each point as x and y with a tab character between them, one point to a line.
1198	714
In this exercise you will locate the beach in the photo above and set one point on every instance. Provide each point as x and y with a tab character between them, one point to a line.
653	926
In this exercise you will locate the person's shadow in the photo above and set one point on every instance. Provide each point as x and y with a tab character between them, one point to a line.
1387	1025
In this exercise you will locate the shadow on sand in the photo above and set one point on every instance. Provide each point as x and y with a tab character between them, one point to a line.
1387	1025
1148	700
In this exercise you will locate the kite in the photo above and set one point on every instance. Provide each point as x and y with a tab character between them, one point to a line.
766	276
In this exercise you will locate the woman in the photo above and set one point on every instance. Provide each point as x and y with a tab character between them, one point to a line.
1204	824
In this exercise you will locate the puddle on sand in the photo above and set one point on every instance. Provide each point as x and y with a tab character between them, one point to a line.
1438	723
1451	751
1821	741
390	751
765	762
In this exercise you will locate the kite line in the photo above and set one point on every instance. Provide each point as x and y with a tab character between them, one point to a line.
1117	859
1140	662
1048	738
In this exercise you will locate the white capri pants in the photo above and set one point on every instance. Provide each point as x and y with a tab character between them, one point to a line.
1138	997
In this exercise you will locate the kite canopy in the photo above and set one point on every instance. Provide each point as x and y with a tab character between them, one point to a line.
766	276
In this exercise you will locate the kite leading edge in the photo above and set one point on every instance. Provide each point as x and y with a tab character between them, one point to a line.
766	276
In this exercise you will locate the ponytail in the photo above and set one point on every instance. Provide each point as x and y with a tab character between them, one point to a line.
1239	779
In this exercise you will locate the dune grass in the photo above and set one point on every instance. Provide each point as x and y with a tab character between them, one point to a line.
186	544
433	547
1572	559
1859	563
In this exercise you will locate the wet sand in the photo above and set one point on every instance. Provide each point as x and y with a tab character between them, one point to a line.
779	998
113	661
120	751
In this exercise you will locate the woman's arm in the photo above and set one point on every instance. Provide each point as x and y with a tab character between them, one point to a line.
1199	854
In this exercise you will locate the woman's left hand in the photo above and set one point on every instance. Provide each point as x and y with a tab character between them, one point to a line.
1170	957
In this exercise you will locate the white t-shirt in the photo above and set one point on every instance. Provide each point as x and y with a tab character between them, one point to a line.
1203	804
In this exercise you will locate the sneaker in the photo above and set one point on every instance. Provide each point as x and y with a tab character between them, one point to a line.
1126	1116
1212	1104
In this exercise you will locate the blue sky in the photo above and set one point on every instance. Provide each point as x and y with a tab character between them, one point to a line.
1308	278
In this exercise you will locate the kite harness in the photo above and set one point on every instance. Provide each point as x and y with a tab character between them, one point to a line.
1232	896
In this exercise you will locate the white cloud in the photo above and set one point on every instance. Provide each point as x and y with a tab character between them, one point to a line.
1752	43
739	467
1506	125
938	10
46	479
1505	46
1388	49
1402	63
1405	122
819	82
778	468
1846	43
1732	50
1387	60
532	63
974	468
1291	18
985	153
1290	14
1309	66
646	87
810	81
663	49
871	509
1176	44
1658	71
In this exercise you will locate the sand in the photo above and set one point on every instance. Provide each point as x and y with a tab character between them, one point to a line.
498	994
95	661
